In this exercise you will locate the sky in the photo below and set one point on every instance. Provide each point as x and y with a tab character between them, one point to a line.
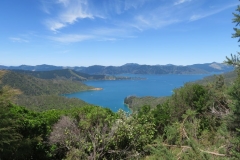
116	32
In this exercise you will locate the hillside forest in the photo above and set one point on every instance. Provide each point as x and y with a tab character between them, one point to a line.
199	121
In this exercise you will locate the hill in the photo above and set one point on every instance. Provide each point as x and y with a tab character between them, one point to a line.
30	85
134	68
62	74
229	78
213	67
136	103
72	75
42	94
48	102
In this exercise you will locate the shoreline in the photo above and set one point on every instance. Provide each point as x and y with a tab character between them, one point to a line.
96	89
130	109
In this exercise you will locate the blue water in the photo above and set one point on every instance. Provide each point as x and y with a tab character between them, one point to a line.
114	92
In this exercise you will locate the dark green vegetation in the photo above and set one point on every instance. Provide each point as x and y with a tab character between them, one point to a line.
135	103
196	122
134	68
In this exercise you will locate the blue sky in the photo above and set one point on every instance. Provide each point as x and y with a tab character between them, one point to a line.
115	32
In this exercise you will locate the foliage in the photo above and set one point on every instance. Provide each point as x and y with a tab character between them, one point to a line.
182	140
135	103
161	116
48	102
234	92
97	133
191	96
9	137
234	60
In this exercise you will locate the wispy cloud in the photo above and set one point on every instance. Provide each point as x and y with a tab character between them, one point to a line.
121	6
142	22
45	6
112	34
54	25
116	19
210	12
133	4
71	38
108	39
110	31
181	1
64	2
70	11
99	34
19	40
158	17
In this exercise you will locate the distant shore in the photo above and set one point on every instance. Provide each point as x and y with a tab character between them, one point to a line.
96	89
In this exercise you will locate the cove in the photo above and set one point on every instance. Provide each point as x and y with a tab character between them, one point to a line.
113	93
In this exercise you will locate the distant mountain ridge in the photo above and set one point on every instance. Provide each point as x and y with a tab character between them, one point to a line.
63	74
72	75
133	68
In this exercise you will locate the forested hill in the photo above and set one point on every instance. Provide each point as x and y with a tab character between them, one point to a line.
63	74
72	75
133	68
43	94
229	78
33	86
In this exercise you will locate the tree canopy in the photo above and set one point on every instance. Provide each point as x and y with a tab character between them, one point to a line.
235	59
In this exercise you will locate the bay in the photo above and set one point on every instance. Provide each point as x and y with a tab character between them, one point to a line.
114	91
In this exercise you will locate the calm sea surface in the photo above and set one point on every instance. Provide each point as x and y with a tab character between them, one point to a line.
114	92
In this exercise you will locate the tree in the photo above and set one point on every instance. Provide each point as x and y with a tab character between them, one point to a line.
9	137
234	92
235	59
